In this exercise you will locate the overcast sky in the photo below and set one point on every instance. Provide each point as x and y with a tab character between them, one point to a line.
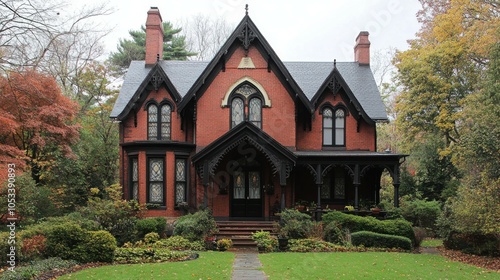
314	30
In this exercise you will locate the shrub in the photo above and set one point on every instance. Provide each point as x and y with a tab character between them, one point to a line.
313	245
265	241
100	247
473	243
422	213
33	248
377	240
151	238
65	241
124	230
224	244
141	255
36	268
145	226
4	247
179	243
355	223
334	234
197	226
294	224
420	235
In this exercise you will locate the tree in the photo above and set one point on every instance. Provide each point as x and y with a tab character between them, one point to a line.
41	119
206	35
443	66
50	36
174	46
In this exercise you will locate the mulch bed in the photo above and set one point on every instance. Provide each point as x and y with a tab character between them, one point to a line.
53	274
492	263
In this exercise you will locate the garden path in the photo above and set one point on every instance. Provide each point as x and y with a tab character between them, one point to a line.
246	265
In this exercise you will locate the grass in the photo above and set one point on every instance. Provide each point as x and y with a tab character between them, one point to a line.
432	242
210	265
369	265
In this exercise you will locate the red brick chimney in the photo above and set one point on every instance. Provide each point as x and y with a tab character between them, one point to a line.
362	48
154	36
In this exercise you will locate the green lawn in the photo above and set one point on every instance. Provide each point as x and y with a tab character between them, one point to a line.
370	265
432	242
210	265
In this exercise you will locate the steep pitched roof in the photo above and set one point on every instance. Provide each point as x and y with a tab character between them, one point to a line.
303	79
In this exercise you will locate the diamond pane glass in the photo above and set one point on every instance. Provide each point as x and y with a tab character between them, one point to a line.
155	192
135	191
180	170
156	169
237	112
165	131
325	188
239	185
180	192
339	118
339	191
165	113
152	113
152	131
327	113
254	185
255	111
135	172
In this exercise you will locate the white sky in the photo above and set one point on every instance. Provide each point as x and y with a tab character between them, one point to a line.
314	30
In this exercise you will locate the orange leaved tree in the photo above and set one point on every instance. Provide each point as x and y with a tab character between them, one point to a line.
36	122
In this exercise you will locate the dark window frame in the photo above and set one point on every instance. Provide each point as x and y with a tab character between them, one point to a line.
186	179
334	127
159	122
148	180
131	177
246	103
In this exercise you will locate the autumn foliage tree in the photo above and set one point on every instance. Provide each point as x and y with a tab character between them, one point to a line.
39	121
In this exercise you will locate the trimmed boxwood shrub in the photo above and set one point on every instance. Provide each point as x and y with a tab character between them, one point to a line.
70	242
195	227
355	223
100	247
145	226
334	234
378	240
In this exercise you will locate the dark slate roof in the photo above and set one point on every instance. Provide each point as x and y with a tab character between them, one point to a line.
359	78
308	75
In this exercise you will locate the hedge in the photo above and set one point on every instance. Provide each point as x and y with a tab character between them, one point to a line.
145	226
399	227
142	255
378	240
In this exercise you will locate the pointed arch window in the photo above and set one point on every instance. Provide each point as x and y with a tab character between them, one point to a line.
255	111
246	105
237	111
333	127
159	121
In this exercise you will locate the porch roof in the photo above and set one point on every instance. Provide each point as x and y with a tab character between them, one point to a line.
347	156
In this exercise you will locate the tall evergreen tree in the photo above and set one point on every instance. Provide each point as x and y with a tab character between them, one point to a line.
174	46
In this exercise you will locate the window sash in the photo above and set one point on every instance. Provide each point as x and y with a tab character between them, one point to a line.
237	112
180	181
255	112
156	177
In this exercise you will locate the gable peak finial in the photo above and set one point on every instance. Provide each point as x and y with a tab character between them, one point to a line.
246	9
334	63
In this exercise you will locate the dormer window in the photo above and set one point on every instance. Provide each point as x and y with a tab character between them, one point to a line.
159	121
334	127
246	104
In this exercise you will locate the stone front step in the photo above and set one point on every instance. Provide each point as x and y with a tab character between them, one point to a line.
240	232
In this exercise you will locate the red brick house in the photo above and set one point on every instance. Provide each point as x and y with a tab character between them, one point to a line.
246	133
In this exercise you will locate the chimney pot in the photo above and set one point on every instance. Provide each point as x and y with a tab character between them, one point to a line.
362	48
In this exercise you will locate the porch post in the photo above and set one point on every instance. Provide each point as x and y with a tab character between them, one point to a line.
356	197
396	195
319	183
205	181
282	175
282	204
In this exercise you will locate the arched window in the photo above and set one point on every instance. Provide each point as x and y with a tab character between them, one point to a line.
152	122
333	127
237	111
255	112
159	122
339	127
166	113
327	127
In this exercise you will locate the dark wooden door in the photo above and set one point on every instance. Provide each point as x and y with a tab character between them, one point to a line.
246	200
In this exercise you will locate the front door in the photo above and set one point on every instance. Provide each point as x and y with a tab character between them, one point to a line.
246	194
